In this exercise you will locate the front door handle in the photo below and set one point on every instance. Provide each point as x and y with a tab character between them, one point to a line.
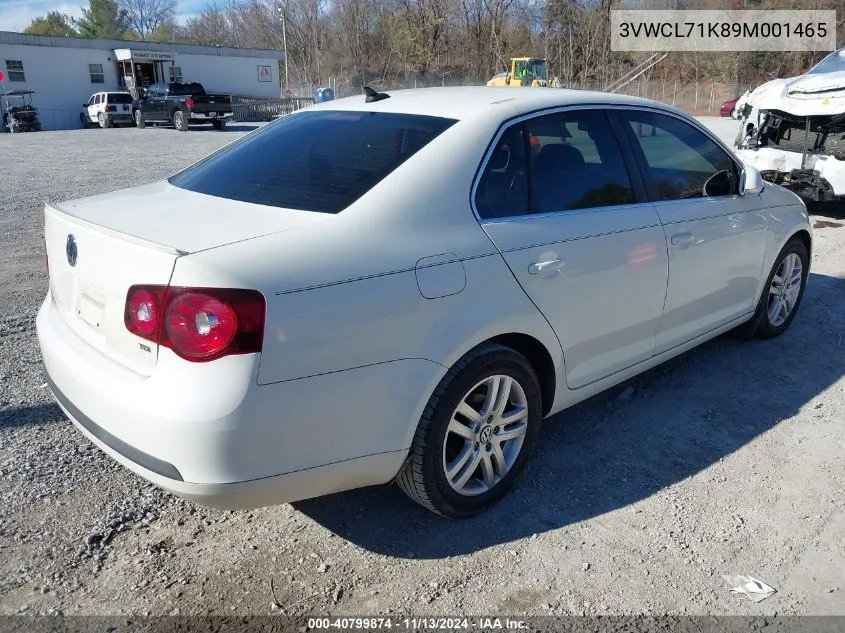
681	238
539	267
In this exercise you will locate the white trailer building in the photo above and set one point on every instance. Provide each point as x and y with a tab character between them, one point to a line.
65	71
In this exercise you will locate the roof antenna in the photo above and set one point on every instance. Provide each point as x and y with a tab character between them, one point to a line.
372	95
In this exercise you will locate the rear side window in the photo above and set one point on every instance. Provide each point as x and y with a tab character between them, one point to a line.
120	98
577	162
681	161
503	189
313	161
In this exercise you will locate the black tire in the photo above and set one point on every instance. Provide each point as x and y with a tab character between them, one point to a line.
423	476
218	125
83	122
180	121
760	325
139	120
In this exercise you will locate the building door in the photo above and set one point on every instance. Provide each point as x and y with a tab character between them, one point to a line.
144	74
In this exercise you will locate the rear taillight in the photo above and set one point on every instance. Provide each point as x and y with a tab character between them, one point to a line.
198	324
109	108
189	103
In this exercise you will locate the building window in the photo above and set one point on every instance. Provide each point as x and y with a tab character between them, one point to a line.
96	72
176	74
15	70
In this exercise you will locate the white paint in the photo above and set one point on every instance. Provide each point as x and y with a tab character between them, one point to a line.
352	348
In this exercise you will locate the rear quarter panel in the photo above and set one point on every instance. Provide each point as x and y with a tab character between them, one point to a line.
347	295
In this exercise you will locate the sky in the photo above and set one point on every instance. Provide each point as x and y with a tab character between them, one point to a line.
16	15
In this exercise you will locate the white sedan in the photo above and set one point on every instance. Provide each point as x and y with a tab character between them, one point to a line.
402	287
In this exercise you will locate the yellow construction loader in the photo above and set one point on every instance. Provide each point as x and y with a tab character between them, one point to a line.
524	71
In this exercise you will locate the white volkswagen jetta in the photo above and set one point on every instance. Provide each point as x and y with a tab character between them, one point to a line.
402	287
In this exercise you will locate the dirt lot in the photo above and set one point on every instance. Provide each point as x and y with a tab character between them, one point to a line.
728	460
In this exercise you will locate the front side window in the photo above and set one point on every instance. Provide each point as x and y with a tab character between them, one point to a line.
14	70
313	161
576	162
680	161
96	73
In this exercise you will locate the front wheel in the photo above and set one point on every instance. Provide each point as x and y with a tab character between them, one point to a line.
180	121
476	433
139	120
781	295
784	289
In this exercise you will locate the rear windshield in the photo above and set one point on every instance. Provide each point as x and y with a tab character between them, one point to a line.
120	98
313	161
186	90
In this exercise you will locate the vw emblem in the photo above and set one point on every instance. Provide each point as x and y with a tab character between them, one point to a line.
486	434
71	250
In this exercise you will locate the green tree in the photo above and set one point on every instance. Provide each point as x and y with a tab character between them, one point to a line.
103	19
54	23
165	32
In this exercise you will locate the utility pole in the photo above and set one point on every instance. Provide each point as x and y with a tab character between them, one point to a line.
281	7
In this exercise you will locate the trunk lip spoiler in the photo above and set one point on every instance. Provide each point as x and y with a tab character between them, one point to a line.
58	210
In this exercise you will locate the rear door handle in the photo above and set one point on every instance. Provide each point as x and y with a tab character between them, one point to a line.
539	267
682	238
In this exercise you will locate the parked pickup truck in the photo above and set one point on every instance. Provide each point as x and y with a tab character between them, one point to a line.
182	105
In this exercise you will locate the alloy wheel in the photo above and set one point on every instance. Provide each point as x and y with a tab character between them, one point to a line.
485	435
785	289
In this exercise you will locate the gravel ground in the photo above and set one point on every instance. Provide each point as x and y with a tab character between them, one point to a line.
727	460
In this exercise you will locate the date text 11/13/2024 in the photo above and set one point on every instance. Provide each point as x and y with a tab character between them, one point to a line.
415	624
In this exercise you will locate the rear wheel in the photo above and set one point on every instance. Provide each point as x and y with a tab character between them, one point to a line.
180	121
103	120
139	120
476	433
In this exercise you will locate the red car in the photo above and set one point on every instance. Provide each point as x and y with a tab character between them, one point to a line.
727	108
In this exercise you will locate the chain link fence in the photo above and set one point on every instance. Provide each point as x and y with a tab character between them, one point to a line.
700	98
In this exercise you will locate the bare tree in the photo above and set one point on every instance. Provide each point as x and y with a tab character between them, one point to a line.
145	16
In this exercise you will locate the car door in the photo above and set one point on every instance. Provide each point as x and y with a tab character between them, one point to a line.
92	108
152	104
715	237
558	198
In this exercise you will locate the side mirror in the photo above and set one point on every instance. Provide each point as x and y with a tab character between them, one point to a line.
750	181
719	184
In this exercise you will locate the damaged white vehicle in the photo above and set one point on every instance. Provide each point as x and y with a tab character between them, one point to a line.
793	130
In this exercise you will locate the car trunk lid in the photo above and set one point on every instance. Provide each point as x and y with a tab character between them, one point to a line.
91	269
99	247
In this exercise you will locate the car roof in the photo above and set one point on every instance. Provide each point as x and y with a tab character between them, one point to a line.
467	102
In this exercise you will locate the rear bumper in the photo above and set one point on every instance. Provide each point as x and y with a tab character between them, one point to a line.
202	117
243	495
209	433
